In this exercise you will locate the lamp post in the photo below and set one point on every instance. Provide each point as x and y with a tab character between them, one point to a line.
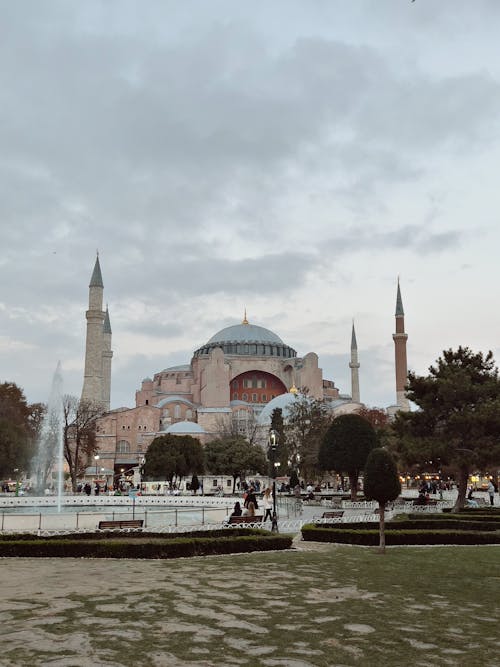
96	459
273	444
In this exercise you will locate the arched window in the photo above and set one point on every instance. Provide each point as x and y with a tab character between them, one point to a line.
189	414
177	411
123	447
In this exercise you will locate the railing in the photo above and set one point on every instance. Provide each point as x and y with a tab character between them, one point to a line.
71	521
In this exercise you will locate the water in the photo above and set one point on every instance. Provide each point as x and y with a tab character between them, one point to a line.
49	452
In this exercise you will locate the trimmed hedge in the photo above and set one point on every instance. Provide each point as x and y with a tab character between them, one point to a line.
158	547
484	509
370	537
421	524
134	534
475	518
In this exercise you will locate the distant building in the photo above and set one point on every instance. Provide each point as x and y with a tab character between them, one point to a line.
233	381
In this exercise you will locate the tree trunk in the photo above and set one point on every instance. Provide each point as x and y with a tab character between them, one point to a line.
463	478
381	509
353	481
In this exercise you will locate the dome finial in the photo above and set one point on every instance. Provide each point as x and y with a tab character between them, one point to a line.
293	389
245	321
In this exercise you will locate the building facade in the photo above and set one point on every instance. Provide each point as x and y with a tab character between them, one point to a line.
232	383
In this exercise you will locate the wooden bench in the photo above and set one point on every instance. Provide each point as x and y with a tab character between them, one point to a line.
245	519
125	523
329	515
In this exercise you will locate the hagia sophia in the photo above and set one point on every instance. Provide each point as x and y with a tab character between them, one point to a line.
237	378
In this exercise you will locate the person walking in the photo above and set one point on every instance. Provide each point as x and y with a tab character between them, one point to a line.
491	492
251	498
267	504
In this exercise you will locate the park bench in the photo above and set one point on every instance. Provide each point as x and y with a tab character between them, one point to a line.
124	523
245	519
338	514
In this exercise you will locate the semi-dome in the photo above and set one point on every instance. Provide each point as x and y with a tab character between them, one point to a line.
283	401
185	428
247	339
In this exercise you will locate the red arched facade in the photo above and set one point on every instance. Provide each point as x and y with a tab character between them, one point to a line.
256	387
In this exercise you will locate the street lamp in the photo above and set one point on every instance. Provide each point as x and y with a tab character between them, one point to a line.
273	444
96	459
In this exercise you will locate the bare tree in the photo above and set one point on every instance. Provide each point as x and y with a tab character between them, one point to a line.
242	424
79	434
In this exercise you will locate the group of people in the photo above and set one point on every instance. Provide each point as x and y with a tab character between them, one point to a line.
491	489
250	504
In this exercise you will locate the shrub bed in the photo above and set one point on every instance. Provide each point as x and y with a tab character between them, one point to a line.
462	523
485	509
370	537
475	518
159	546
134	534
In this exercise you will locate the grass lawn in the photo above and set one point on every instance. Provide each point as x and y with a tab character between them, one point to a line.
323	605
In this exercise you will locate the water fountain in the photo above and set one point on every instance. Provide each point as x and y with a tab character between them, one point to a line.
50	442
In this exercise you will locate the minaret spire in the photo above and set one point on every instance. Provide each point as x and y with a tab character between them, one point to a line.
107	355
94	344
401	364
354	366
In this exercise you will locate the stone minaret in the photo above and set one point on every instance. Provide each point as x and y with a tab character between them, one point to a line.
354	366
107	355
94	346
400	338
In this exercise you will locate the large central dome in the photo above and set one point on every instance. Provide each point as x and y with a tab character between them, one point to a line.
247	339
245	333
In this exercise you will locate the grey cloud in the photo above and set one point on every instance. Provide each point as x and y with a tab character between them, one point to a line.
410	237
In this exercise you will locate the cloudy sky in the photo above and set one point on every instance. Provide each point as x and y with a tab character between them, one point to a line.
289	157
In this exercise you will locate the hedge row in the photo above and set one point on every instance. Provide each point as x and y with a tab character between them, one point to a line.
420	523
134	534
123	547
370	537
485	509
475	518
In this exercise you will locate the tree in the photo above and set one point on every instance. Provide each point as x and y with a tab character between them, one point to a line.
294	479
235	457
282	455
173	456
458	420
381	484
19	429
79	434
242	424
345	447
195	483
379	419
307	422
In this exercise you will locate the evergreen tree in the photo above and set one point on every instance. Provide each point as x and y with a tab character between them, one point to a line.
381	483
458	420
345	447
278	426
195	483
19	429
294	479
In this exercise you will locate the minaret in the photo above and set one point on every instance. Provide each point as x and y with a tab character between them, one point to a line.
107	355
400	338
92	381
354	366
